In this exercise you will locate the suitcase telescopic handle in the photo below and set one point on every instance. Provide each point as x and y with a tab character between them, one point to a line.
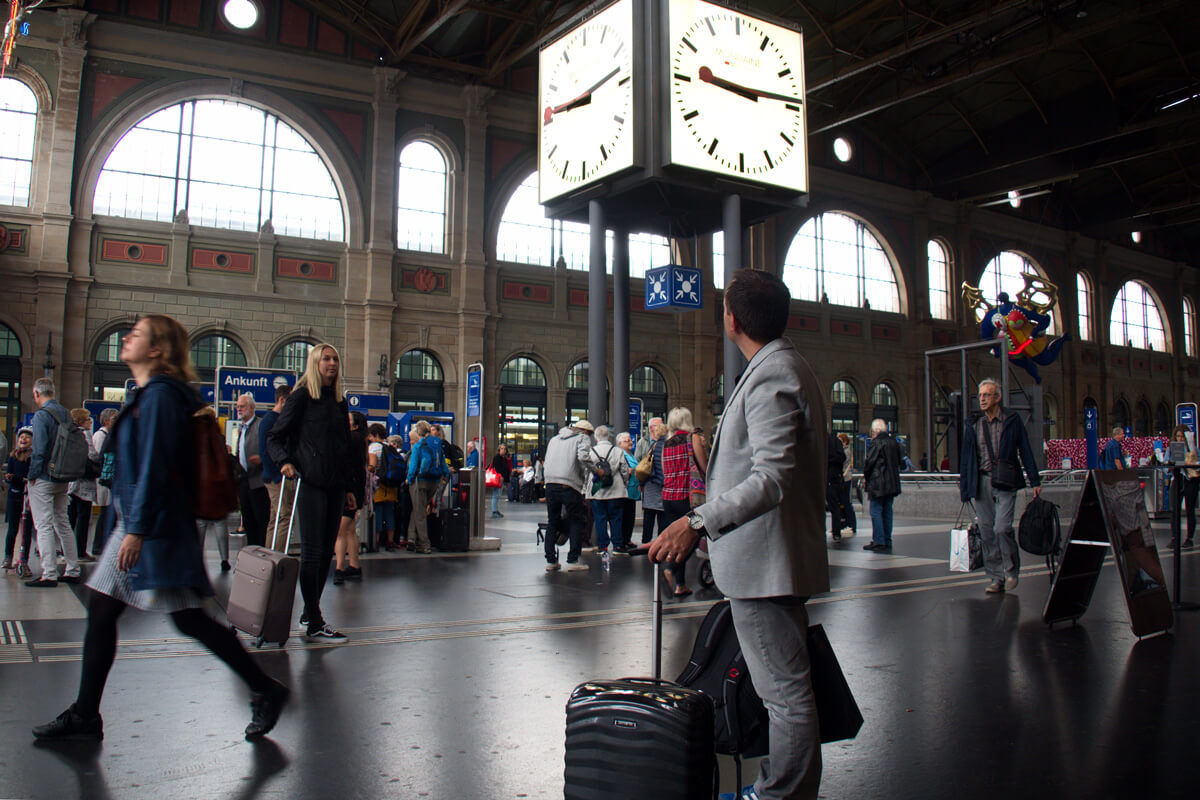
656	613
279	508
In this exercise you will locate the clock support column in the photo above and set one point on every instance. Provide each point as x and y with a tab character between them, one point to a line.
731	209
619	412
597	315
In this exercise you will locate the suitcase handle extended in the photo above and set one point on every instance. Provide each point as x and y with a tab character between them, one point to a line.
656	611
279	508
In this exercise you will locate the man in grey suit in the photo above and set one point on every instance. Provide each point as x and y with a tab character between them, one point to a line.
255	500
765	518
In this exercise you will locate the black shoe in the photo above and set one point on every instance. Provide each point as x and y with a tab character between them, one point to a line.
72	579
882	548
265	708
70	725
1188	544
41	583
353	573
837	537
871	546
225	567
304	620
339	577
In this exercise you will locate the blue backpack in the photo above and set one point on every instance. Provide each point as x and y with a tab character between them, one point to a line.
431	466
393	471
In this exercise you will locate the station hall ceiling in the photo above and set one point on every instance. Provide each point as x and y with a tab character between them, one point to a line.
1090	109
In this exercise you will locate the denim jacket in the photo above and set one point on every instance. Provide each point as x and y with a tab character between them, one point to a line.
152	484
45	429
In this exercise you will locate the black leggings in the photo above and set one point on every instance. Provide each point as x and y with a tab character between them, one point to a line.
649	516
673	510
16	503
100	648
319	514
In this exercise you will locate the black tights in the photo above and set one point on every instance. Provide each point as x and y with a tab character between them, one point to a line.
319	512
100	648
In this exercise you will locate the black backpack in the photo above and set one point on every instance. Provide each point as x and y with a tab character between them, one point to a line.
393	471
1040	532
718	669
602	473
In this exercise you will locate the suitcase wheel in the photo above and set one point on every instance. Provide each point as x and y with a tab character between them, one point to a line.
706	576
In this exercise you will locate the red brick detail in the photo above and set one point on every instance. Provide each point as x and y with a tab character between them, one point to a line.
350	124
530	292
305	269
503	152
185	12
364	53
888	333
223	261
109	87
12	239
146	9
293	24
579	297
1118	361
1141	363
133	252
330	39
844	328
803	322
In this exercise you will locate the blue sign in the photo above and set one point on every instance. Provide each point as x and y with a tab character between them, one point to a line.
209	395
635	418
1185	414
474	393
260	383
674	288
1091	425
399	423
375	405
130	385
94	407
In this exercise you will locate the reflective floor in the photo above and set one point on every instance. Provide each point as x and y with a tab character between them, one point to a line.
454	682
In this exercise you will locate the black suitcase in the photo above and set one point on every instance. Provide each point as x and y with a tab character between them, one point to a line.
455	536
640	737
433	527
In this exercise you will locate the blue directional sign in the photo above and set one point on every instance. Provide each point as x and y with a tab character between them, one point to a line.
674	288
260	383
635	418
1185	414
374	404
474	393
1091	425
94	407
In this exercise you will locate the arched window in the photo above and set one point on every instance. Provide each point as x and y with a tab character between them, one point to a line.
883	397
10	383
419	383
292	355
421	212
228	165
523	406
1189	328
844	418
939	280
1004	274
1162	419
526	236
1083	299
109	373
649	384
1136	319
836	257
1141	423
1120	416
577	392
1050	416
18	127
212	351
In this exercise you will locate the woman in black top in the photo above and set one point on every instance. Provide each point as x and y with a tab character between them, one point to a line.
311	442
503	465
347	539
15	473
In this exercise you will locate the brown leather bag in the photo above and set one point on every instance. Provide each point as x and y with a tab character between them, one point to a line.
214	492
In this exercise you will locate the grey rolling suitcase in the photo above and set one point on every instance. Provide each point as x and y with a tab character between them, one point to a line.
264	588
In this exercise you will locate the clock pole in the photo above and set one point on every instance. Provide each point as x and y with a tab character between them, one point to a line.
619	414
731	210
597	316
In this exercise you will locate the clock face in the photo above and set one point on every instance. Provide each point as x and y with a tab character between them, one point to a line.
586	111
737	95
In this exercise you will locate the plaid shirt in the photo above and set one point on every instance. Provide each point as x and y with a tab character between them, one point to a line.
982	428
677	468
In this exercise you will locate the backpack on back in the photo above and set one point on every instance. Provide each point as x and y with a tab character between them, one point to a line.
428	468
602	473
69	453
1040	532
214	493
393	471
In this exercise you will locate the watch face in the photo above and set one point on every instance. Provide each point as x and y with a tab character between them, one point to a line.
737	95
586	109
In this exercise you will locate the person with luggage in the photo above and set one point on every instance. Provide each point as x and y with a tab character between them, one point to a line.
253	496
881	479
380	460
426	473
502	464
19	517
765	520
568	457
280	492
153	561
48	494
345	549
989	473
311	443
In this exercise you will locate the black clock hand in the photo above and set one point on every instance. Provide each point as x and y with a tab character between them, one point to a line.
583	99
747	92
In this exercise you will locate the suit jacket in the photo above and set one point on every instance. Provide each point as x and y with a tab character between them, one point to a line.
254	472
766	481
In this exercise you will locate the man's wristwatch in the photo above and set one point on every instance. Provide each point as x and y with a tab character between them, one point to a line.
696	523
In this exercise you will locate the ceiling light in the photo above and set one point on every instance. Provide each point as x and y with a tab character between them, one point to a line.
842	149
1014	198
1136	236
241	14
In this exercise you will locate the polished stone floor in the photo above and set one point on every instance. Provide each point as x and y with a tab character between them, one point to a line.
454	682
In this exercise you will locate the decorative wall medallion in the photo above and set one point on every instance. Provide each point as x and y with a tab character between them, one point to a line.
306	269
529	292
425	281
14	239
222	261
133	252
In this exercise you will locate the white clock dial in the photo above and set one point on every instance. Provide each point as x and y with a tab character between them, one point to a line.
737	97
586	109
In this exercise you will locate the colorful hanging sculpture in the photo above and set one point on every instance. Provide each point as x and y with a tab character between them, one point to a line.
1020	326
18	10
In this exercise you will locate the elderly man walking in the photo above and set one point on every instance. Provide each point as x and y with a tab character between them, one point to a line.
255	499
48	496
568	456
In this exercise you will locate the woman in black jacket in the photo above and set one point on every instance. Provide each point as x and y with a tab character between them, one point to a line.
311	442
881	477
502	464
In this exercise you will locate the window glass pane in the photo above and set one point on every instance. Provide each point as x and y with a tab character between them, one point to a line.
522	371
109	350
1189	328
718	250
835	256
577	377
939	280
647	380
418	365
229	165
883	395
293	356
421	215
9	344
1136	319
217	351
843	392
18	127
1083	299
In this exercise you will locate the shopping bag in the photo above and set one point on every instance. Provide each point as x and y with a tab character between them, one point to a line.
960	550
492	479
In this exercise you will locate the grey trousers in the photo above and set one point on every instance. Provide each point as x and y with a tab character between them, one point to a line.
773	633
995	508
48	502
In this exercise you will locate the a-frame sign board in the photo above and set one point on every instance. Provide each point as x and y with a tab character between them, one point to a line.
1111	513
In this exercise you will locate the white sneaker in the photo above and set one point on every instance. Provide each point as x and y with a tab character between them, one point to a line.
577	567
847	533
555	567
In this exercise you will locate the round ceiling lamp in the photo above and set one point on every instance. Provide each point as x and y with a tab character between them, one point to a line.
241	14
842	149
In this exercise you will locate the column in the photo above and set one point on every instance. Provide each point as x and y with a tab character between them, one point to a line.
619	411
735	362
597	314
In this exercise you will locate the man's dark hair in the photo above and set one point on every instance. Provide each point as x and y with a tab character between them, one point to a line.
377	430
281	391
760	302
